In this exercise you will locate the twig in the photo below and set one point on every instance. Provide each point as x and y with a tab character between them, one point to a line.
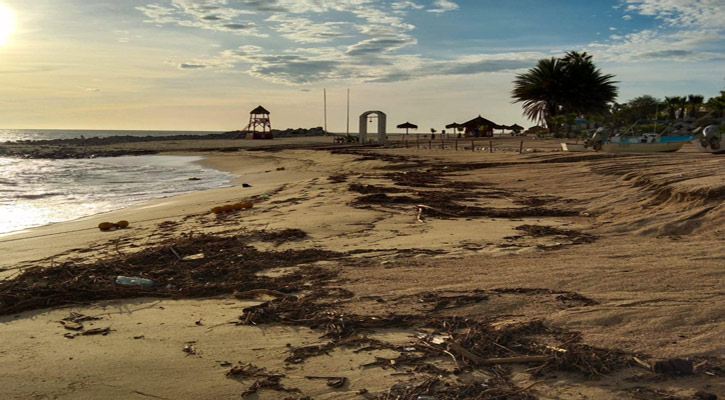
453	357
150	395
420	213
176	254
488	361
517	391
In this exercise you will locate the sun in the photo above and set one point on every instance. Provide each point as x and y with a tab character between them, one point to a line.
6	24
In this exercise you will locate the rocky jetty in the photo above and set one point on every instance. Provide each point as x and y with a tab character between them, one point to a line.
114	146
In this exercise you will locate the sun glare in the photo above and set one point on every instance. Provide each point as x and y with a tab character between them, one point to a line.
6	24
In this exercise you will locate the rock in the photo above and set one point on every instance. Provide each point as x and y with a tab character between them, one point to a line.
673	366
705	395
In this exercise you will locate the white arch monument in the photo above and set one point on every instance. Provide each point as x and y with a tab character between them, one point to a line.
382	123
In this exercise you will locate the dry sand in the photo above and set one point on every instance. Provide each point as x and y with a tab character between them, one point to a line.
636	265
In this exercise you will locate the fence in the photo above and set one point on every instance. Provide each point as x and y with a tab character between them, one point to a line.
463	144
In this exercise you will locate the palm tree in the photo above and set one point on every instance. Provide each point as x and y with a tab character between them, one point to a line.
571	84
717	104
540	90
695	101
588	90
673	104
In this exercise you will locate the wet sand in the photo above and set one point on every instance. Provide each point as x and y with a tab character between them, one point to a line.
628	251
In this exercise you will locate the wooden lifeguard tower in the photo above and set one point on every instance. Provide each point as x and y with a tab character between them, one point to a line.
259	118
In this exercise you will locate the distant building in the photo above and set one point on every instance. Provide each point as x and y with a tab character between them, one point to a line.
259	119
479	127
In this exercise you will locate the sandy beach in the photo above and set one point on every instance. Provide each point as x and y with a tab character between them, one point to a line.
382	273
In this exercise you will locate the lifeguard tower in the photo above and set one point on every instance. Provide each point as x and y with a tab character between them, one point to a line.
258	118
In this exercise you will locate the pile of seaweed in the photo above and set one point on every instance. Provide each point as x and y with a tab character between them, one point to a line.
481	353
187	266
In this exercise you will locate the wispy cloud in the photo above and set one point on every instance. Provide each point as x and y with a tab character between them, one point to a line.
441	6
688	32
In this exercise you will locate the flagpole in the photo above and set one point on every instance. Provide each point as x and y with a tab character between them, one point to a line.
348	112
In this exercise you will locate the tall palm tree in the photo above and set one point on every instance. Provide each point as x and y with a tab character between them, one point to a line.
588	90
540	89
571	84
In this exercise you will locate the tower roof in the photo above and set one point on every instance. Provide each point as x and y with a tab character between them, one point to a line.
260	110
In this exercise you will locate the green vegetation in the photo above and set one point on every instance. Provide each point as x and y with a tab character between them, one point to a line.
672	108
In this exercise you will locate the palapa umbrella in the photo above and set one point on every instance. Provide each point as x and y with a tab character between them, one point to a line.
454	126
407	126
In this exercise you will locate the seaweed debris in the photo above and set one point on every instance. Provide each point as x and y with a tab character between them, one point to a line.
220	265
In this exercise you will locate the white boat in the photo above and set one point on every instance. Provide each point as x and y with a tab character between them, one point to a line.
631	142
710	140
646	143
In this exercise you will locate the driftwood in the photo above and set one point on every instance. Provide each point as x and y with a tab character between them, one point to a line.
457	348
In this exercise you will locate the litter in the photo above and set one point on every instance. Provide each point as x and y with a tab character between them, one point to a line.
134	281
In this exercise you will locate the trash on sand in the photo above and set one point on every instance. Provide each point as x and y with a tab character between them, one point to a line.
134	281
199	256
189	348
280	168
246	185
193	178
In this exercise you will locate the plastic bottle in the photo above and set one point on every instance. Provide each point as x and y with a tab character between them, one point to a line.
133	281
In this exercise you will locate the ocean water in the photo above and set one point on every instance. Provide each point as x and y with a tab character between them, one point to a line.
10	135
39	192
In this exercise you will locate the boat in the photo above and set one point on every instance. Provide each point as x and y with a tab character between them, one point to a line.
631	142
645	143
710	140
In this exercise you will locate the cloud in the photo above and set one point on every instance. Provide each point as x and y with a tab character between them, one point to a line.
682	13
442	6
650	45
304	30
378	46
211	15
303	42
192	66
689	30
402	5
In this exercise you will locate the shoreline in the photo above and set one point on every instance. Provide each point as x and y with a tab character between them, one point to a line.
199	161
513	239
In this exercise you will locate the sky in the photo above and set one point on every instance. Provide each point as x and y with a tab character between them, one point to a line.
204	64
